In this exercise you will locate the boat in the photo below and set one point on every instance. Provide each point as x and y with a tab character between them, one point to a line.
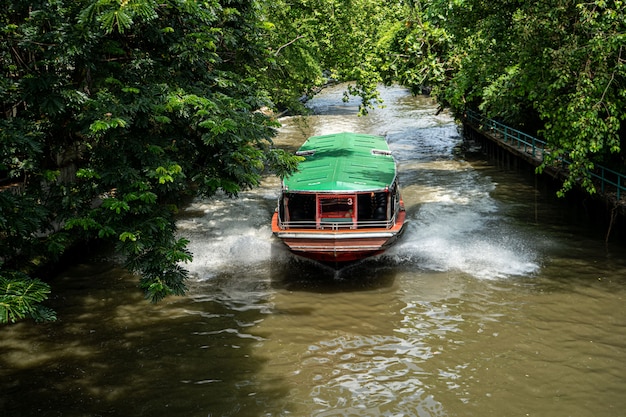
343	204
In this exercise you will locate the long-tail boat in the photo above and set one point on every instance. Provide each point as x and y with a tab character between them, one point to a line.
343	203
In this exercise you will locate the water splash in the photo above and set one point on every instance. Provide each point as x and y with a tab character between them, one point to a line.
228	234
484	257
454	223
462	229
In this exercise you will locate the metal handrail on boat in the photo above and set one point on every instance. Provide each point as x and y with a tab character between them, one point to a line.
339	224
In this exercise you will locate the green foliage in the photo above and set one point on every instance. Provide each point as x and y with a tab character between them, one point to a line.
557	68
22	217
116	15
20	298
319	41
583	101
116	112
412	48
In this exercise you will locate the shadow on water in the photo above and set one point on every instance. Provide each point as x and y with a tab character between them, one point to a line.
111	353
293	273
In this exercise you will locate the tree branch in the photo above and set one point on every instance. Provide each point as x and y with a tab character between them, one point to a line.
287	44
619	60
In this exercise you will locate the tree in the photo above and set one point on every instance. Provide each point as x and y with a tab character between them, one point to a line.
114	113
413	48
554	67
323	40
582	103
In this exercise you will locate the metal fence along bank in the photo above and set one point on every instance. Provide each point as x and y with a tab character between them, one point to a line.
533	150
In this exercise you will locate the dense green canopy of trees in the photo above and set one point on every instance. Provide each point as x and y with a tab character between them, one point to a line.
552	67
116	112
113	113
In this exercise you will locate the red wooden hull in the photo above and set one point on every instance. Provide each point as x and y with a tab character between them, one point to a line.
337	246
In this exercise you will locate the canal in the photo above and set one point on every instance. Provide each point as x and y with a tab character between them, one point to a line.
497	301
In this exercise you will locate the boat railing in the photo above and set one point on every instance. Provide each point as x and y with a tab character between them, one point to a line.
336	224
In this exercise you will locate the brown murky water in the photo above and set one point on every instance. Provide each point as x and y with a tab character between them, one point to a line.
492	304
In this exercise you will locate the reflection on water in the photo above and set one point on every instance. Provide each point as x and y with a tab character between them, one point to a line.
489	305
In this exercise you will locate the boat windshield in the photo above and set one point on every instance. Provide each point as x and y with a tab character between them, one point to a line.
336	208
354	210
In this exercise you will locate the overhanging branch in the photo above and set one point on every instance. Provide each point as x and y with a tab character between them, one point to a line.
287	44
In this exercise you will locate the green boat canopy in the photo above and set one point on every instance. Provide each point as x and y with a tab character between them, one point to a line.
343	162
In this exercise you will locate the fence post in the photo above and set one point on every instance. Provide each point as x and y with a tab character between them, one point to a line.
602	178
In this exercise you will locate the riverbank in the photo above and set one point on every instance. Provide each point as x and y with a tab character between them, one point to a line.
605	210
